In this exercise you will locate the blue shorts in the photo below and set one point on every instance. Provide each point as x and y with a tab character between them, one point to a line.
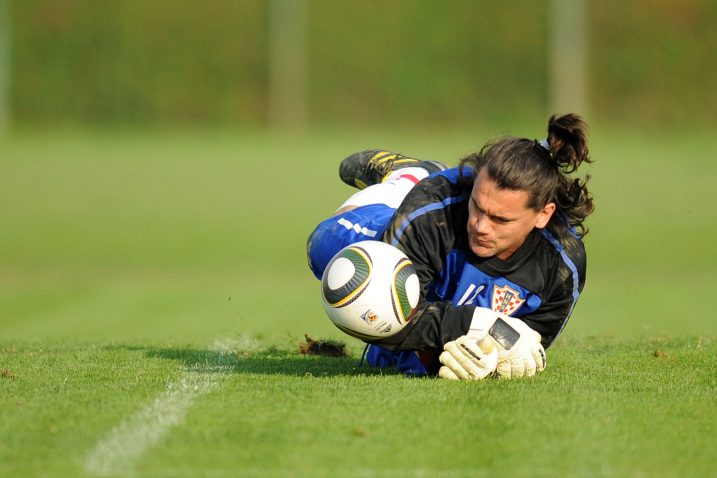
406	361
330	236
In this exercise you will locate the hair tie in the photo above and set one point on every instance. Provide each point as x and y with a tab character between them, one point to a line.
544	144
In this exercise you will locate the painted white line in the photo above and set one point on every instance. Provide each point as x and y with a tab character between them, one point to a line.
231	345
118	451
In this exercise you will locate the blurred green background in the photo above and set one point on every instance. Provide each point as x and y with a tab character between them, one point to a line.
419	62
161	163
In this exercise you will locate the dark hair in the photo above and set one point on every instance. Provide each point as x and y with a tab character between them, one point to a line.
527	165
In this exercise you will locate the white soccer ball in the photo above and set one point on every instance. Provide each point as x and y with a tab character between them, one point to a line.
370	290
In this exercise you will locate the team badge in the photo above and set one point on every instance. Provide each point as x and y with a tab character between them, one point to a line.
369	316
506	300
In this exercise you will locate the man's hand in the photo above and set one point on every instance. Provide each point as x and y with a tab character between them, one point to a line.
464	359
520	353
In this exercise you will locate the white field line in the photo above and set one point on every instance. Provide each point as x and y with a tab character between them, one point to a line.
118	451
231	345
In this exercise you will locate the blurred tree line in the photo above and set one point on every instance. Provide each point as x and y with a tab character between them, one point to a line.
429	62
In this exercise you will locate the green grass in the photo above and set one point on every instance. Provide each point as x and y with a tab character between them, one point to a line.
125	258
603	408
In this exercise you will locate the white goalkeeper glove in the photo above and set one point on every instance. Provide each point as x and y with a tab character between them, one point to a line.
520	353
465	359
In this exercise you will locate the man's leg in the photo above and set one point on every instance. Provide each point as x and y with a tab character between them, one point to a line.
365	215
391	191
355	224
373	166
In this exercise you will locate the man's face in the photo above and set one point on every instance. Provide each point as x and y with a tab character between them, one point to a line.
499	220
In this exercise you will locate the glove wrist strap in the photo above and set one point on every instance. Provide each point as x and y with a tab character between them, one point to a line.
481	323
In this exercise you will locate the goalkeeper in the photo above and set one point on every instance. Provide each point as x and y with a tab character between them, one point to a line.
496	243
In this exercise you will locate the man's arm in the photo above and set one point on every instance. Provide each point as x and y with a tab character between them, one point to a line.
568	266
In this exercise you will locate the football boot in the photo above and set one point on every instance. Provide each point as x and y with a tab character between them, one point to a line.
370	167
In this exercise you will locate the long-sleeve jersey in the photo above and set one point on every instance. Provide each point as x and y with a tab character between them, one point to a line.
540	283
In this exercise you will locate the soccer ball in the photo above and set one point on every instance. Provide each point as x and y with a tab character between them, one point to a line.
370	290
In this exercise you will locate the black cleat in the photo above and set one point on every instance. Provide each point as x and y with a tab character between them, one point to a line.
370	167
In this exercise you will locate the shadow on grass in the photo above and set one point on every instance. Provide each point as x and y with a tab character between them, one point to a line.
269	361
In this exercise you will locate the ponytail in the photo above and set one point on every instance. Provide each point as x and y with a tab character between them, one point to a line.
567	140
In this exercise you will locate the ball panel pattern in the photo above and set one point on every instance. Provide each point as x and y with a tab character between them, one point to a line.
401	304
348	292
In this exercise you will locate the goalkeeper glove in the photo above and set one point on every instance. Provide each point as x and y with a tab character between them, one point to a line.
464	359
520	353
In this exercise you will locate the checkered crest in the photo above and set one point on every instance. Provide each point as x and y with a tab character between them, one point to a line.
506	300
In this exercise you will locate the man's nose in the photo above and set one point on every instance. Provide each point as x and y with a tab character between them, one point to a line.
483	226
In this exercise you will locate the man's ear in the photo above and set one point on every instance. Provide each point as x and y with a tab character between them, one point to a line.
545	215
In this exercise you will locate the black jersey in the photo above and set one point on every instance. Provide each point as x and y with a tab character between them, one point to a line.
540	283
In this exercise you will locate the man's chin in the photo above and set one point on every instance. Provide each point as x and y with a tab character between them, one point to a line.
481	251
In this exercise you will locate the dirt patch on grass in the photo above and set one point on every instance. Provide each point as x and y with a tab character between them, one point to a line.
326	348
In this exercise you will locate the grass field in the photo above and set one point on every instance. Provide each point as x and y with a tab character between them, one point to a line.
153	290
